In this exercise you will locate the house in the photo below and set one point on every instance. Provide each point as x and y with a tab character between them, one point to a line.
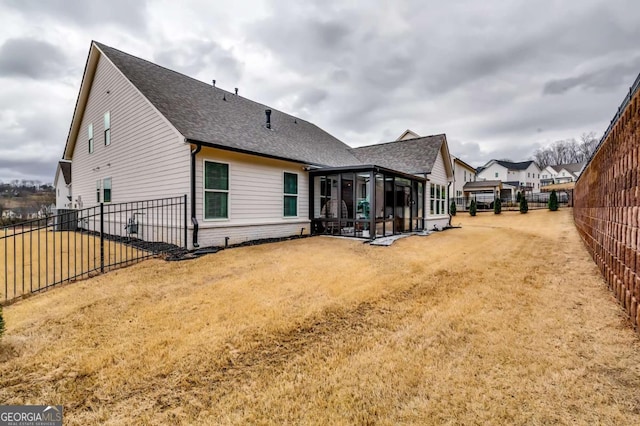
524	175
62	185
141	131
561	173
462	173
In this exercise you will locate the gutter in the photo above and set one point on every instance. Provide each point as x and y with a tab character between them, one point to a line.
194	220
449	203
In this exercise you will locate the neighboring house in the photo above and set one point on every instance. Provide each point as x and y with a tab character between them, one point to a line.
141	132
408	134
462	173
62	185
524	175
10	214
561	173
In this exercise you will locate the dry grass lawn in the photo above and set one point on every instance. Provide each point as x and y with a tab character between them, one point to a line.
505	321
31	260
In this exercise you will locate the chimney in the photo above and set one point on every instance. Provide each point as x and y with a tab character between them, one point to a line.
214	83
268	113
236	91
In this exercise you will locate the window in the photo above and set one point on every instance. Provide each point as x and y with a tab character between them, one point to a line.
496	174
432	194
438	199
290	194
107	128
465	176
538	175
98	185
528	175
216	190
106	190
90	137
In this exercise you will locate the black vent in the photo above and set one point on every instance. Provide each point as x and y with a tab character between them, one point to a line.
236	91
268	114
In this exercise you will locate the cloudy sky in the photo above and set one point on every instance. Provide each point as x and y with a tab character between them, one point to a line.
500	78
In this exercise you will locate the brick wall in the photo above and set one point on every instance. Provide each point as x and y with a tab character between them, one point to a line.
607	200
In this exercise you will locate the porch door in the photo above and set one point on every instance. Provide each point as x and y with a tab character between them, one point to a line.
407	208
403	209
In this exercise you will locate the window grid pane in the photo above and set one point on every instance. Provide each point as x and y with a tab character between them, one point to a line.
290	183
215	205
216	176
290	205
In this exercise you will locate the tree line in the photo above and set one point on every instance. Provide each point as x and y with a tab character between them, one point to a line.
567	151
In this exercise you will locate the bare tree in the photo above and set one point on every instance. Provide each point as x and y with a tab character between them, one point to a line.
566	151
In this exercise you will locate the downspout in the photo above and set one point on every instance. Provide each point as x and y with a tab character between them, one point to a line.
194	221
449	204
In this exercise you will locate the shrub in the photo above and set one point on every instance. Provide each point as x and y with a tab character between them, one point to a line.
452	208
472	208
497	206
553	201
518	197
524	205
1	323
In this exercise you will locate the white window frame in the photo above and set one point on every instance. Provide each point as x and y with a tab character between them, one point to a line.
204	190
107	128
297	195
90	138
110	189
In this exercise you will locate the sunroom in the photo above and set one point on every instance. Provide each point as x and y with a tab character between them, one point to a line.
365	201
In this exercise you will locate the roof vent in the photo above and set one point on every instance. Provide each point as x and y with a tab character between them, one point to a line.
214	83
236	91
268	114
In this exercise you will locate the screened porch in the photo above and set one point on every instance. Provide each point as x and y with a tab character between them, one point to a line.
365	202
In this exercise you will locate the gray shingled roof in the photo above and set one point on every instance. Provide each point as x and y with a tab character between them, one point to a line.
199	113
482	184
522	165
410	155
571	167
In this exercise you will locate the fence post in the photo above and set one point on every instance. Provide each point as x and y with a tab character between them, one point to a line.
102	237
184	200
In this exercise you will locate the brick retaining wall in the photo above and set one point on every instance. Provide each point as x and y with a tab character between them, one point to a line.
606	205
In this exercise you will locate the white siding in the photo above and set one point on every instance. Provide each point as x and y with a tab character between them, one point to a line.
147	158
438	176
459	179
62	191
490	173
256	199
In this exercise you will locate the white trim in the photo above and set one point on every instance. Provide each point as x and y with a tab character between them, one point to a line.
220	225
297	195
220	219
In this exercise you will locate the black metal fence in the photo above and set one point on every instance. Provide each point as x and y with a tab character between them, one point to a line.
539	200
77	244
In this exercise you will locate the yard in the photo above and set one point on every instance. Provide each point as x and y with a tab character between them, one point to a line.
31	260
503	321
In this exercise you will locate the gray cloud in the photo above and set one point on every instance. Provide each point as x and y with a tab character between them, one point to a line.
610	77
310	98
204	57
481	72
26	57
88	14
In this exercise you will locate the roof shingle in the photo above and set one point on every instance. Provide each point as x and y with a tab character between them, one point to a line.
200	113
415	156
